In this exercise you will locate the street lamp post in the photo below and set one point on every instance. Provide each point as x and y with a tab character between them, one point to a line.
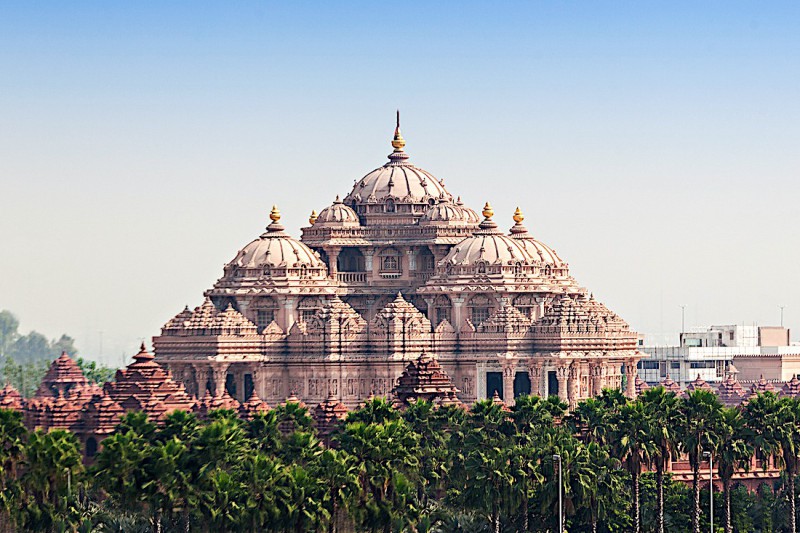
710	487
557	459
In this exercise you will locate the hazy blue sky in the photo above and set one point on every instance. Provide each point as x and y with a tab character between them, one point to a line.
654	145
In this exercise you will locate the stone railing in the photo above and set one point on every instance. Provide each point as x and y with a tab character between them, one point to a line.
352	277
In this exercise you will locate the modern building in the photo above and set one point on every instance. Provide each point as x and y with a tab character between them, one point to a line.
397	267
749	351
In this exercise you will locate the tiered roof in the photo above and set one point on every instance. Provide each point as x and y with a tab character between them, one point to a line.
424	379
206	319
641	385
670	385
507	319
698	384
730	391
328	415
253	405
792	387
145	386
210	403
64	374
10	398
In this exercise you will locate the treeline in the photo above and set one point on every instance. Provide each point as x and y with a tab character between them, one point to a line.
24	359
420	469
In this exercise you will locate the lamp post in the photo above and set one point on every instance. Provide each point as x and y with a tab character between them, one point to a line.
557	459
710	487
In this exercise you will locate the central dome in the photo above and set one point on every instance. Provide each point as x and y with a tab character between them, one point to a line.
397	182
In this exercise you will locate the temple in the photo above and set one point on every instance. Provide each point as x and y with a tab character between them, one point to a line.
396	267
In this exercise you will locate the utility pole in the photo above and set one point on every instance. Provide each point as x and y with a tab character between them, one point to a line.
781	307
683	322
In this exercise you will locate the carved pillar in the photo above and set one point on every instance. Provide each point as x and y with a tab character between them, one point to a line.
333	260
573	385
458	312
509	369
429	300
562	375
201	376
595	375
258	380
630	378
219	372
412	261
289	312
535	374
368	267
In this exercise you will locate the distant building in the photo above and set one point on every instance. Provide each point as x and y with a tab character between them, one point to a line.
712	353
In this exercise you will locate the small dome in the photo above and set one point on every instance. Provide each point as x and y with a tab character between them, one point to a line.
537	249
276	249
450	213
399	180
338	215
489	245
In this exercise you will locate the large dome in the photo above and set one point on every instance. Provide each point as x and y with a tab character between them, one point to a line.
487	245
275	249
399	181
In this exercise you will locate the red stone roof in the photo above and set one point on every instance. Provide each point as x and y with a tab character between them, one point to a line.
498	401
145	386
641	385
791	387
328	415
10	398
698	384
63	375
423	379
730	391
670	385
253	405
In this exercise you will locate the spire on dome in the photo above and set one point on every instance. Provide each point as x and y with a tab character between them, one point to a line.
398	143
518	230
275	226
518	216
488	225
313	217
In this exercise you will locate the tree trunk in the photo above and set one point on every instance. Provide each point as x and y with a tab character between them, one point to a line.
637	526
186	519
525	514
793	504
660	495
696	497
156	519
726	486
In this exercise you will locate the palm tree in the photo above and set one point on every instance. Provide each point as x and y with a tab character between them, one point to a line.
12	446
374	411
700	411
733	453
268	492
169	485
591	419
661	407
339	472
389	453
632	445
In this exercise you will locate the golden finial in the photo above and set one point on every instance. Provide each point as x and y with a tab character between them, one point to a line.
398	142
518	216
488	212
275	215
313	217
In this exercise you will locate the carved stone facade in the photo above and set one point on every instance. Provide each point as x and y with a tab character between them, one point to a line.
396	268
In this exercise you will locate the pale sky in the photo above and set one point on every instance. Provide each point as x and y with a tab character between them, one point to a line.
654	145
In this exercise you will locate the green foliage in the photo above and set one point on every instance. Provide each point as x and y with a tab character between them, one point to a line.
422	469
94	372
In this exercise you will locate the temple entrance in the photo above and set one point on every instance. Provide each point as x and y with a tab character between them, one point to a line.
230	385
522	385
494	383
552	383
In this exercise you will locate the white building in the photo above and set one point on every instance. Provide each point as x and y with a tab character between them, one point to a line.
712	352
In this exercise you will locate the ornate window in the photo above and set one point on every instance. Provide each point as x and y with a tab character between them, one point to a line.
391	261
481	267
308	307
527	305
442	309
265	313
479	309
